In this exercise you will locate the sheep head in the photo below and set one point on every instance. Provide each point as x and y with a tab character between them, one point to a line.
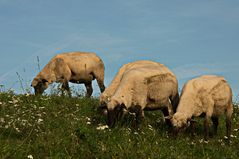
39	85
179	120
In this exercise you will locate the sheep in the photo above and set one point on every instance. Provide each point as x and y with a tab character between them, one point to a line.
208	95
142	88
110	90
75	67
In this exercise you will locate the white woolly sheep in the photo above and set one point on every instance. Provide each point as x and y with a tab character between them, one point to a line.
210	95
75	67
144	88
110	90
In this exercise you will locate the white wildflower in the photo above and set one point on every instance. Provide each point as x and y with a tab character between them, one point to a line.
27	94
24	122
77	105
39	115
225	137
102	127
88	122
220	140
206	142
233	136
88	119
150	127
76	119
15	101
103	148
10	102
203	141
136	133
17	129
235	130
40	120
30	156
2	120
200	141
0	103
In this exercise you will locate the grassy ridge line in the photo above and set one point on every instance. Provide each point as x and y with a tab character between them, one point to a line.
62	127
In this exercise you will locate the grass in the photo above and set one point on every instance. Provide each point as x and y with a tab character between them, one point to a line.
61	127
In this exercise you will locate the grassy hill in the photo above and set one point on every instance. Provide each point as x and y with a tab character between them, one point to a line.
62	127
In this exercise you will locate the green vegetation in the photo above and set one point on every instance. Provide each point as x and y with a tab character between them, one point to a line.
61	127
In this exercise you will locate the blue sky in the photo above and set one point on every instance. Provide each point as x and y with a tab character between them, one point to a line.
190	37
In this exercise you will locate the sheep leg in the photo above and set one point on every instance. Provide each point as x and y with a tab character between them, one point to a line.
174	100
206	127
210	105
215	125
119	112
65	86
101	85
99	79
89	89
229	112
166	113
139	115
229	126
192	126
111	117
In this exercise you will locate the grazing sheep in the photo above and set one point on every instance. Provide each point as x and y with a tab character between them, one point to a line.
207	95
76	67
149	87
110	90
